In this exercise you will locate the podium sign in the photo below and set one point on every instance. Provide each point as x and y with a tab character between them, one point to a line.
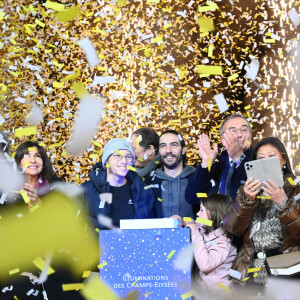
142	260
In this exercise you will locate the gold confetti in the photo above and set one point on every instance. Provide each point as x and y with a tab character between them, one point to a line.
204	221
171	254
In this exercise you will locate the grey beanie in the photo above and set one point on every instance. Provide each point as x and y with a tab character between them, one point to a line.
112	146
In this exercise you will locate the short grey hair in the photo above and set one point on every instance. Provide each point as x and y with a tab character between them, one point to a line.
235	115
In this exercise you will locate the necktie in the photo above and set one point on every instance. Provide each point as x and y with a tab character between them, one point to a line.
228	179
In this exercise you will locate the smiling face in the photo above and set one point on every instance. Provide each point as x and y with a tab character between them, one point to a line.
32	161
118	167
268	151
170	150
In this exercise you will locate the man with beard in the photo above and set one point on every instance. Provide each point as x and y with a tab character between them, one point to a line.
169	182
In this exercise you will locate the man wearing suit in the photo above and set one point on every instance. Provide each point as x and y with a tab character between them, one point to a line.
224	173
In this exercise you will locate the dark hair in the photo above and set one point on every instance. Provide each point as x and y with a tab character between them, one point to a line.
236	115
47	171
277	143
182	143
217	206
149	137
4	143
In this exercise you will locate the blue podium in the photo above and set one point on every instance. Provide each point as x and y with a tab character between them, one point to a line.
142	260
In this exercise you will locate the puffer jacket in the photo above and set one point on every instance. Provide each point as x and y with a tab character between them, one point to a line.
143	200
239	218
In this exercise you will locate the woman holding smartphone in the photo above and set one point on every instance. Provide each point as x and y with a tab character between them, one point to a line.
267	219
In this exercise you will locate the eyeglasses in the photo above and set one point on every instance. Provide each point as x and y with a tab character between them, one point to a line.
243	130
118	157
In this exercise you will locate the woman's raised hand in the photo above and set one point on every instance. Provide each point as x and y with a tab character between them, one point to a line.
251	188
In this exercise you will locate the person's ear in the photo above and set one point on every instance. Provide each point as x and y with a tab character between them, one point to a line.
150	150
183	151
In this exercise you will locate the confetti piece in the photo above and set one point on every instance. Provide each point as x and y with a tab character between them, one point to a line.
136	281
235	274
35	116
34	208
221	102
68	14
253	69
204	221
131	168
252	270
96	144
245	279
209	165
255	274
72	286
86	274
223	287
90	52
107	166
148	187
201	195
3	198
71	77
26	131
140	159
297	180
101	80
211	70
187	219
120	152
184	259
53	230
213	6
171	254
40	264
14	271
69	189
293	14
100	266
187	295
297	197
95	289
25	196
291	181
39	23
54	5
106	197
206	25
10	180
210	50
232	77
264	197
88	118
159	199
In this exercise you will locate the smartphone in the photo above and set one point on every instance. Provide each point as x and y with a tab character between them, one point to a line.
264	169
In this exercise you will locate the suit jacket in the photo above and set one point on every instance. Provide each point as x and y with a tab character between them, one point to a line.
203	181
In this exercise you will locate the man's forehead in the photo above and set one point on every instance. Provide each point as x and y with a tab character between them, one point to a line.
169	137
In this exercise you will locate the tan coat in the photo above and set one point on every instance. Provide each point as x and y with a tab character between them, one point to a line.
239	217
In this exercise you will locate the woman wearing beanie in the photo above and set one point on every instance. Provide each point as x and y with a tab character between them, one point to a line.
129	198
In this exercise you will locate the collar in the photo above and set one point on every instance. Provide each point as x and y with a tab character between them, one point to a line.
241	158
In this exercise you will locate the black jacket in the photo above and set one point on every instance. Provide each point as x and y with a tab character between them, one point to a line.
143	200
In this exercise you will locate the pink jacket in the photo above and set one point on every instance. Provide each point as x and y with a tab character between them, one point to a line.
214	255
